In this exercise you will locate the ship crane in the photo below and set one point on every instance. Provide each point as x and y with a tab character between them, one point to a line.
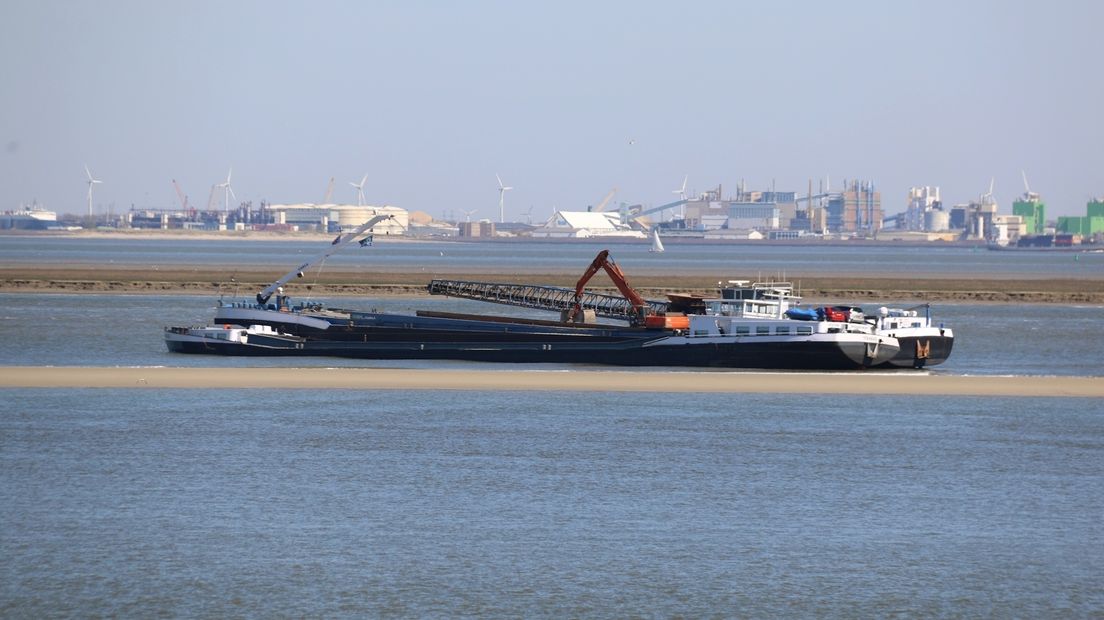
644	313
629	306
640	307
341	241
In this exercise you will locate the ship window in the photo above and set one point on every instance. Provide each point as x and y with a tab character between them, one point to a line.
782	331
701	332
762	330
743	330
804	330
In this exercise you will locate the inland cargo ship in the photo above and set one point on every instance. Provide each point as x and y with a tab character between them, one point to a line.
747	325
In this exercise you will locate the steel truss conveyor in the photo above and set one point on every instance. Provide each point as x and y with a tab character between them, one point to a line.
552	298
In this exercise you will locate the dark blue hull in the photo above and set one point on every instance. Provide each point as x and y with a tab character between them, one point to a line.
921	352
439	336
624	352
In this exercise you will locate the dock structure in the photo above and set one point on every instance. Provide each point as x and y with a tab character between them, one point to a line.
551	298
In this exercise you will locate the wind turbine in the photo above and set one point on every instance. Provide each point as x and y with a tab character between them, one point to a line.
91	182
468	214
682	190
360	190
502	189
987	198
227	192
1028	194
682	194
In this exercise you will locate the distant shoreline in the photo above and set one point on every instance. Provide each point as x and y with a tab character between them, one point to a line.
673	238
215	280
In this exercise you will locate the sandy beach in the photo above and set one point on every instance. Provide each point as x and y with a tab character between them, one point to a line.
916	384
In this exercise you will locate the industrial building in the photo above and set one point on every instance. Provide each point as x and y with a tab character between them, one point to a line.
976	218
483	229
1033	211
1090	225
336	218
586	224
761	211
855	210
925	211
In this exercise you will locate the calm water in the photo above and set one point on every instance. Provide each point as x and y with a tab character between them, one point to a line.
723	261
348	503
125	330
231	503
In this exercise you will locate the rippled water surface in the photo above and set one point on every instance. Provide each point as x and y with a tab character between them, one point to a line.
720	260
126	330
275	503
348	503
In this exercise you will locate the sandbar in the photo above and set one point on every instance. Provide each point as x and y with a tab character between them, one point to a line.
87	279
886	383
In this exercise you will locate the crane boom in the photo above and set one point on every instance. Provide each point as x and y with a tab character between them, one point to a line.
338	243
211	199
605	201
180	194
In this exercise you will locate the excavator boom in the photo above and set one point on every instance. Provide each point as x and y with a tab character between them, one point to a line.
603	261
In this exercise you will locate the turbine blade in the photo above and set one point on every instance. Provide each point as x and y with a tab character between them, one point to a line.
499	179
229	187
87	172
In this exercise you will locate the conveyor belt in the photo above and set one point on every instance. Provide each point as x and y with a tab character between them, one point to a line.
551	298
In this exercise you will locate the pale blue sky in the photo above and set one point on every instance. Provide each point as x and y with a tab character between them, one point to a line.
431	99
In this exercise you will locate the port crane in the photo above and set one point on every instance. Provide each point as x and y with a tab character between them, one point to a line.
180	194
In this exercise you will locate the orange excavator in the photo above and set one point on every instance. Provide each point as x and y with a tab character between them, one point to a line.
642	312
